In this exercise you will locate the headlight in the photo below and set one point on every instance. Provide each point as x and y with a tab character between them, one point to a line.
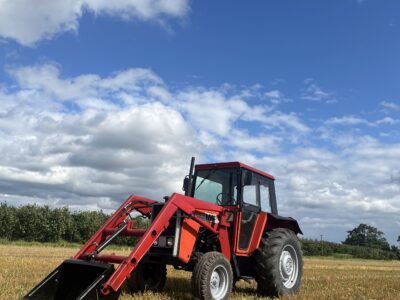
170	242
155	243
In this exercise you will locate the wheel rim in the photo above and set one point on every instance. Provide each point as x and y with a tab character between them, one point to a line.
288	266
219	282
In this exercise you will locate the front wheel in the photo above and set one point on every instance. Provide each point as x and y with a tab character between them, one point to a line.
148	277
278	264
212	277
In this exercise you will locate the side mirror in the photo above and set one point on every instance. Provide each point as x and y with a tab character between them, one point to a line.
248	178
186	183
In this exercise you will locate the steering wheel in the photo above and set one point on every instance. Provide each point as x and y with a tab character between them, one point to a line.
250	218
219	198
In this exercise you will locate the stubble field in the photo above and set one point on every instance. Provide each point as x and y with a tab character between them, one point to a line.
21	267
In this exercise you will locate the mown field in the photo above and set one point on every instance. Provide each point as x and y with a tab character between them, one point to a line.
21	267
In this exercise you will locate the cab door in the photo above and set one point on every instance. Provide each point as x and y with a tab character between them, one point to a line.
249	212
251	220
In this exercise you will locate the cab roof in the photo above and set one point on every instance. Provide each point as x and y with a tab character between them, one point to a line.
233	164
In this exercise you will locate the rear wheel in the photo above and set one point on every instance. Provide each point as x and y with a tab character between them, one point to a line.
212	277
278	264
148	277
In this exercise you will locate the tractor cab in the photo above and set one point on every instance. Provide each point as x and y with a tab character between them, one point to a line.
234	184
248	192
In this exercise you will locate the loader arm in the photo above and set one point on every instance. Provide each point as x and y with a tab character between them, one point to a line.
187	205
140	204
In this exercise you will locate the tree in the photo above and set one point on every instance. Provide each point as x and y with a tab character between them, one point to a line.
367	236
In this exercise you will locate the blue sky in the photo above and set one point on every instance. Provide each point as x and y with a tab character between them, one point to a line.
99	97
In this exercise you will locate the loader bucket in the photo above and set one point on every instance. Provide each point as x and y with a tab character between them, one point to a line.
74	280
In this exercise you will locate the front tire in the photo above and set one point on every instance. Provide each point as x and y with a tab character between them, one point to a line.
212	277
148	277
279	264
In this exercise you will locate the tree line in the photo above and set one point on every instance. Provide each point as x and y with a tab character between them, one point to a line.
45	224
323	248
364	241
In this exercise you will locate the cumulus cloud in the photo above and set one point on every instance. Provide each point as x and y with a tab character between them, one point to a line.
28	22
331	186
89	141
69	141
216	111
352	184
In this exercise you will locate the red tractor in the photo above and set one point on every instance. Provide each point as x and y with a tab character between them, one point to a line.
225	228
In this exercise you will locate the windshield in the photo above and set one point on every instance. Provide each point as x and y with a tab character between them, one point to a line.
216	186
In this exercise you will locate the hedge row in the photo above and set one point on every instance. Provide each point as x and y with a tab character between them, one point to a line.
45	224
323	248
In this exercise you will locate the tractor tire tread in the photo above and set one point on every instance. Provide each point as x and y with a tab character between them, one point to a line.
266	267
137	284
200	281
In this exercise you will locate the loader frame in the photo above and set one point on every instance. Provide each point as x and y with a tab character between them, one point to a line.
122	223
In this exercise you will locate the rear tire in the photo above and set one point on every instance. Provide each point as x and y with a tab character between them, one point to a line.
212	277
278	264
148	277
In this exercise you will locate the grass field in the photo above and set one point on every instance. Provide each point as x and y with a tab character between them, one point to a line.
24	266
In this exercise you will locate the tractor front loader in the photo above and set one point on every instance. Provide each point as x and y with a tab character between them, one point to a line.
225	228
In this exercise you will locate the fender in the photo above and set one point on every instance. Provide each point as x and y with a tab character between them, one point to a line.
276	221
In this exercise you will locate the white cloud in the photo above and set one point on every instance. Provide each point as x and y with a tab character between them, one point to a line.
353	120
350	182
286	120
74	139
273	94
386	120
71	147
210	110
28	22
313	92
346	120
276	97
390	105
263	143
46	79
89	141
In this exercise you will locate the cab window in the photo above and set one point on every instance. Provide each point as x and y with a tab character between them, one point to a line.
250	194
217	186
264	196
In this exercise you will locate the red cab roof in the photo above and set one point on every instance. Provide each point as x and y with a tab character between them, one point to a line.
234	164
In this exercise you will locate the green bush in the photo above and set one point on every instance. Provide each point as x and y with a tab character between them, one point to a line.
8	219
323	248
45	224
